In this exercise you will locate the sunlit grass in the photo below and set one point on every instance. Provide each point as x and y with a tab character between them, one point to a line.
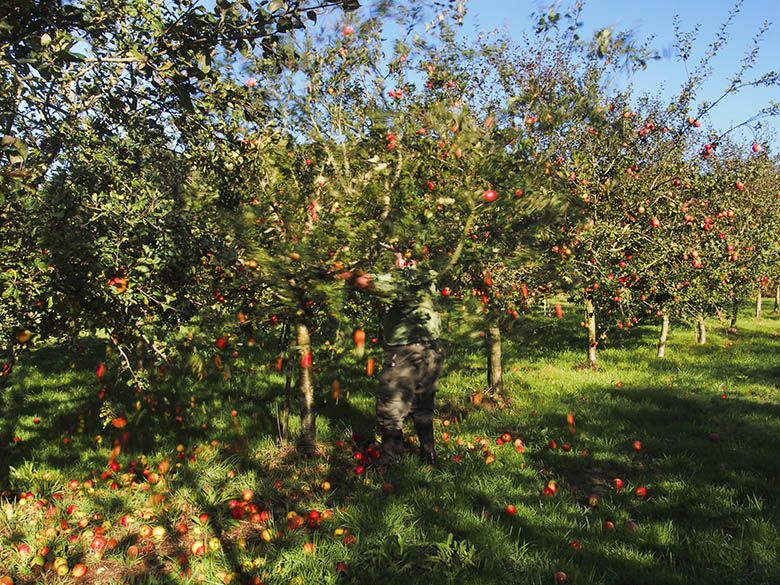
707	419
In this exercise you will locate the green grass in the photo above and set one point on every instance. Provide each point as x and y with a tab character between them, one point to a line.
710	515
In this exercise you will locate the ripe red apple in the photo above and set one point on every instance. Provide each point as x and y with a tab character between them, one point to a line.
608	525
617	484
561	577
347	30
100	371
490	195
655	222
511	510
757	147
637	446
222	343
739	185
251	82
445	292
197	548
641	492
98	544
78	571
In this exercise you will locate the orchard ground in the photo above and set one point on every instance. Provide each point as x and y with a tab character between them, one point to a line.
698	430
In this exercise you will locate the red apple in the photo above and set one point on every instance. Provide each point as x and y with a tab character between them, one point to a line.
98	544
490	195
197	548
637	446
511	510
641	492
617	484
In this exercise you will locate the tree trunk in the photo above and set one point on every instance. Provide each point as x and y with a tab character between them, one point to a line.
306	391
777	298
701	330
495	377
734	314
664	336
284	424
759	307
590	313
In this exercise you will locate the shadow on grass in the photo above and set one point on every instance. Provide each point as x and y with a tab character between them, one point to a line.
709	515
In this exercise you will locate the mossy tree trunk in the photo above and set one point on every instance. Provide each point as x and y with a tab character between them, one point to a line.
701	330
307	440
590	314
664	335
734	313
495	378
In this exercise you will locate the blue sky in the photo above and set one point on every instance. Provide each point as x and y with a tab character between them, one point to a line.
655	17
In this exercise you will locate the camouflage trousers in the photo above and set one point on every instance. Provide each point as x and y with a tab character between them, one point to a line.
408	386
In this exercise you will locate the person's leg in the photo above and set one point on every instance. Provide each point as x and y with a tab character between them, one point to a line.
424	397
394	401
